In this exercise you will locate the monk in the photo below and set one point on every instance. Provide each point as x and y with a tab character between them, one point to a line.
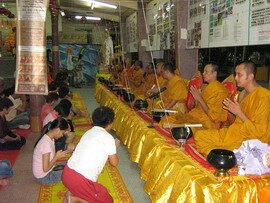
252	115
161	82
136	81
176	91
149	79
208	110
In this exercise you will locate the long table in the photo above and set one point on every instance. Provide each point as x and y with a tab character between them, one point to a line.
171	174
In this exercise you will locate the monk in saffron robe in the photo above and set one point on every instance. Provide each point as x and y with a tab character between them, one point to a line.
176	91
208	110
161	82
149	79
136	81
252	115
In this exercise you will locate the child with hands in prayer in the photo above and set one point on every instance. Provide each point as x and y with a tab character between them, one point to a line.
45	158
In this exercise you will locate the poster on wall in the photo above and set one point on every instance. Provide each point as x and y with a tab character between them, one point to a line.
198	24
132	35
31	63
161	21
228	25
69	58
151	20
259	22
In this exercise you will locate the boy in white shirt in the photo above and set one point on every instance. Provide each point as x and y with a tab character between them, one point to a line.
96	147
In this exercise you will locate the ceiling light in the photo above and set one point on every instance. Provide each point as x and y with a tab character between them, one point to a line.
62	13
97	3
92	18
92	6
78	17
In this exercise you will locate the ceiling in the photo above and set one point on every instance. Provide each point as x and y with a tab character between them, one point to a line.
83	8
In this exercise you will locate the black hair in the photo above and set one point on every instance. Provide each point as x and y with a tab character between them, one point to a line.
53	86
52	96
66	103
9	91
63	91
102	116
61	76
56	123
61	110
169	66
5	103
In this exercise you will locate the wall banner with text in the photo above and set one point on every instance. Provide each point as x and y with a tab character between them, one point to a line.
31	61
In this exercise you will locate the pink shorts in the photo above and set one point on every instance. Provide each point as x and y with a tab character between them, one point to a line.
84	188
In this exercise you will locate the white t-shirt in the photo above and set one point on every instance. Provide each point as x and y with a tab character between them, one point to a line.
44	146
92	152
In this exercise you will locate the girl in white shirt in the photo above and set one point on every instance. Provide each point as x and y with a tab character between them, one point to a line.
44	157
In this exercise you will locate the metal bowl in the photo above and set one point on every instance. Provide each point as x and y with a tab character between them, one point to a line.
222	160
140	104
157	115
121	92
128	97
182	133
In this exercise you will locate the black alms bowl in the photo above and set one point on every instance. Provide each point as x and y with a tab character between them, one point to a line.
101	79
157	115
221	159
128	97
140	104
121	92
181	133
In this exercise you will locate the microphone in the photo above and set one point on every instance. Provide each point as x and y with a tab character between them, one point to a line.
156	95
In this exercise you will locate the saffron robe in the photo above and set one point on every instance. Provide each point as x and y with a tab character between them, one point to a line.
256	106
175	90
137	81
213	95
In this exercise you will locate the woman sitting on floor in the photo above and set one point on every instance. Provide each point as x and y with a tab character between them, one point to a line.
45	157
9	140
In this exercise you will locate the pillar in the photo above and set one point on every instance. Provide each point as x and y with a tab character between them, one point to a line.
144	55
36	102
55	42
186	59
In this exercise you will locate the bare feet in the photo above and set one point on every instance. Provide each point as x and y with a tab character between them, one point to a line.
4	182
70	198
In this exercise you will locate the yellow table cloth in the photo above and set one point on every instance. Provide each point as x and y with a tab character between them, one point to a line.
171	175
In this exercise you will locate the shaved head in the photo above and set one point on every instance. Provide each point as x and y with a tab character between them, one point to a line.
249	67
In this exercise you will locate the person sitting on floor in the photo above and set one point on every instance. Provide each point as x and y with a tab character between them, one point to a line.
45	167
176	91
136	80
64	93
66	141
208	110
6	172
58	110
51	98
161	82
81	172
8	140
252	115
19	115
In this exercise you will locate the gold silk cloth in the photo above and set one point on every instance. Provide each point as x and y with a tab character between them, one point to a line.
171	175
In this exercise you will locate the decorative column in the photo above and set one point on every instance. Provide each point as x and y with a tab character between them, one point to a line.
144	55
31	67
186	59
55	42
